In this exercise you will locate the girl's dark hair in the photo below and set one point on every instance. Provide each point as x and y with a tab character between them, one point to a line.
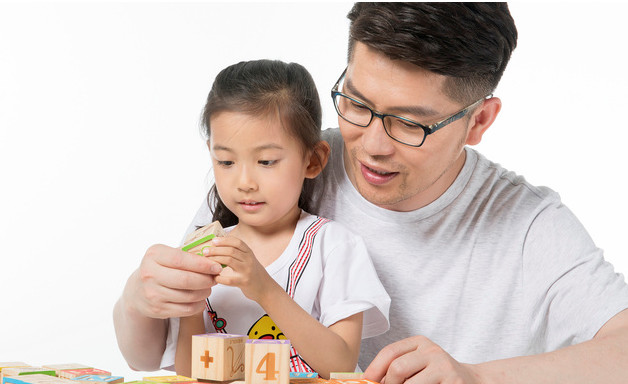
266	88
471	43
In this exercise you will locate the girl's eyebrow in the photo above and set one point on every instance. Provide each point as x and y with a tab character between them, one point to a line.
218	147
410	110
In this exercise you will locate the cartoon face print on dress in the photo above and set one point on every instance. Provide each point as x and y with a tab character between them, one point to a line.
265	328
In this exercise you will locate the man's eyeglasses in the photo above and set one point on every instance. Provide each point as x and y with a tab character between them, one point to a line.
398	128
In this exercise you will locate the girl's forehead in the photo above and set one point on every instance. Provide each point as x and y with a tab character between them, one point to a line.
240	130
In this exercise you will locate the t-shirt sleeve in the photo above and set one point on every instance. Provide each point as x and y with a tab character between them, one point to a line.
350	285
571	290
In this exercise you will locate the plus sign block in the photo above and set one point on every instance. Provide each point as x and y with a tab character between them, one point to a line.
218	356
267	361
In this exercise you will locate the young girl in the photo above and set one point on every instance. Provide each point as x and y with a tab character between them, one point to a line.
287	274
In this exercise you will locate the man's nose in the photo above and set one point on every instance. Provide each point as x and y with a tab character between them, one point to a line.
375	140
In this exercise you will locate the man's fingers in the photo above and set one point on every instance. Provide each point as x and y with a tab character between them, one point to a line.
379	367
407	368
175	258
178	279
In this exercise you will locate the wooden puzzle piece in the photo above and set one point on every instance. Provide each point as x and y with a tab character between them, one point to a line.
18	371
91	379
218	356
345	375
303	375
72	373
36	379
267	361
69	366
306	378
13	364
194	241
351	381
168	379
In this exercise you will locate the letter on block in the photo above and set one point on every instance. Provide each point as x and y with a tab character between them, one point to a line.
218	356
267	361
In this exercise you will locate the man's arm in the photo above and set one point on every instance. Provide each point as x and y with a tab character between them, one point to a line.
603	359
168	283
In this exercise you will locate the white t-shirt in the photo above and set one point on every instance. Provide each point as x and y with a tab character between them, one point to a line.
494	268
336	281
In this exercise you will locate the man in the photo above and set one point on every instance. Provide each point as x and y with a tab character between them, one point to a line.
491	278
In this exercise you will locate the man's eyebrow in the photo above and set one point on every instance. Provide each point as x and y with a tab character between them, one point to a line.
402	110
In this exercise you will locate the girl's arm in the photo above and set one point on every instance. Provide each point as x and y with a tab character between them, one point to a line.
188	326
333	349
326	350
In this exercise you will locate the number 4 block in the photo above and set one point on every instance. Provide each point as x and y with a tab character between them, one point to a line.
267	361
218	356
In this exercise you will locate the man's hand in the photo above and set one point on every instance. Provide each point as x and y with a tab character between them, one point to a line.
418	360
170	283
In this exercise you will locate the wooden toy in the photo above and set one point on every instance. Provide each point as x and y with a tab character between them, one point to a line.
218	356
72	373
267	361
35	379
306	378
345	375
195	240
13	364
64	367
168	379
303	375
92	379
18	371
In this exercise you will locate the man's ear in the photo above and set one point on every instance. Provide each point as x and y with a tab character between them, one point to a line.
482	118
318	159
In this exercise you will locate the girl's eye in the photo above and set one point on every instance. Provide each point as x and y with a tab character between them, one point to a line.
267	163
225	163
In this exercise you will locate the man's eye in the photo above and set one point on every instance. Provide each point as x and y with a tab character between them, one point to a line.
357	105
267	163
400	123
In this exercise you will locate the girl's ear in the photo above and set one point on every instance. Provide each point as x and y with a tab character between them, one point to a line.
318	159
482	118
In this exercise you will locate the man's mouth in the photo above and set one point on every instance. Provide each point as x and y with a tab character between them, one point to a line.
376	176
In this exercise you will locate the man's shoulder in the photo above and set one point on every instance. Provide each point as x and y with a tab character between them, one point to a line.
491	181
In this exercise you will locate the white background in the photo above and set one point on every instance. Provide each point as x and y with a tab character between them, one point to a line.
101	156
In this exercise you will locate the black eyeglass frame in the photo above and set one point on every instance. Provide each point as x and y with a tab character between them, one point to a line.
427	129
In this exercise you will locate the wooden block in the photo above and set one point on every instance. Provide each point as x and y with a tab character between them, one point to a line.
218	356
13	364
92	379
61	367
314	380
345	375
303	375
72	373
267	361
36	379
306	378
195	240
168	379
18	371
351	381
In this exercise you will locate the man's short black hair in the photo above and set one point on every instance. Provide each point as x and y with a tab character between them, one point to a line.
471	43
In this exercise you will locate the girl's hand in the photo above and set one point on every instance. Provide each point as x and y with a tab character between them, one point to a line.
242	270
